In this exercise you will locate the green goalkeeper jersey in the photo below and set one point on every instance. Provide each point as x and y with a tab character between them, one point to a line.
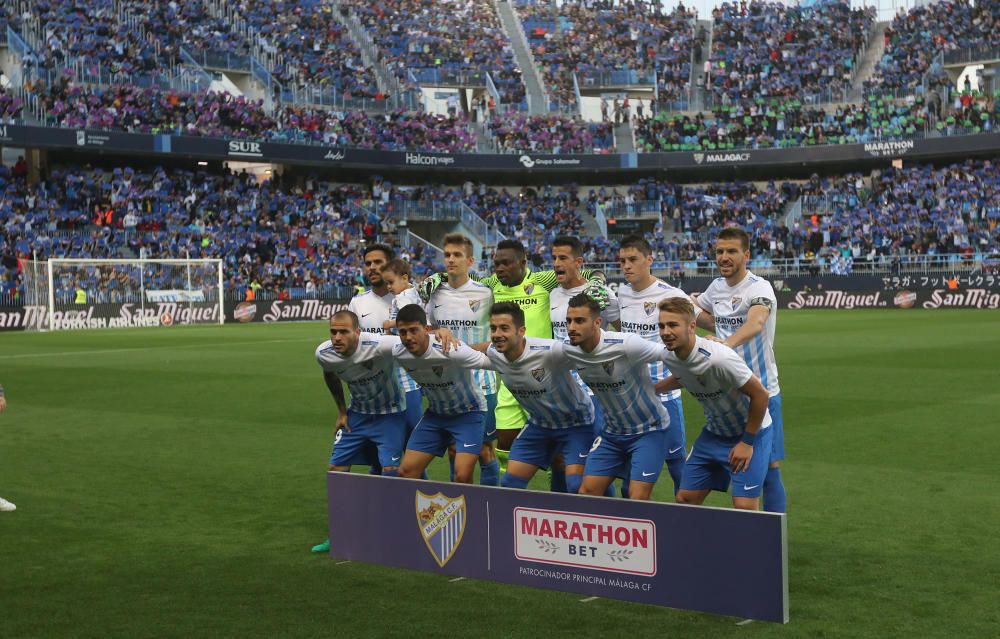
532	295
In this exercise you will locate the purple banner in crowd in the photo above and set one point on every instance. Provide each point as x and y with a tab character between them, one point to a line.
716	560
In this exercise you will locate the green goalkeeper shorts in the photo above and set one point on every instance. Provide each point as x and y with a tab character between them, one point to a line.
509	414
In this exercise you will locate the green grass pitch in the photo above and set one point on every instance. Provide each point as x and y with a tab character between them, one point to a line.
170	482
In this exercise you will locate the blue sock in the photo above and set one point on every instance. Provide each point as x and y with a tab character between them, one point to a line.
424	475
489	474
676	468
510	481
375	470
390	473
774	491
558	483
573	483
451	469
610	492
625	488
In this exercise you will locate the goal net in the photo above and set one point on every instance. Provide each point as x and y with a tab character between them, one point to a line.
64	294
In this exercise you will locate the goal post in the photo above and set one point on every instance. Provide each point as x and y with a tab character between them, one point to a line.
116	293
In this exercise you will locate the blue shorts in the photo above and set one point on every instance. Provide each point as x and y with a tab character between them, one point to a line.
708	465
536	445
435	432
675	434
414	409
598	417
490	421
778	437
387	433
638	457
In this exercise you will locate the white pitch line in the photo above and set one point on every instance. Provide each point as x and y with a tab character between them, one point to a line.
588	599
744	622
341	563
451	581
151	348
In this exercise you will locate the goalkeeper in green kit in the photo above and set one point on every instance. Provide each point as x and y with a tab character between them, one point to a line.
513	282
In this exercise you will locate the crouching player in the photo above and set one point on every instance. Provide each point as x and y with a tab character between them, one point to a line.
456	405
616	367
734	445
560	413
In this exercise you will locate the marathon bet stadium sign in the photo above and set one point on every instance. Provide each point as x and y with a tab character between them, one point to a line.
649	552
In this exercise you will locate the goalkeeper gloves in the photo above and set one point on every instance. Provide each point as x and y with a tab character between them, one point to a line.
599	293
429	285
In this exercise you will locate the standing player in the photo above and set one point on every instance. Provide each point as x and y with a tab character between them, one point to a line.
637	301
734	445
560	414
616	367
373	308
456	405
513	282
5	506
463	306
742	309
376	415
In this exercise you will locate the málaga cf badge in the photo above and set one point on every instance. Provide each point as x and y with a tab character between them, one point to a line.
442	523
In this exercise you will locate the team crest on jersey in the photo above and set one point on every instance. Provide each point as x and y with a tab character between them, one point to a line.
442	523
474	305
735	301
649	307
538	374
609	368
438	370
528	289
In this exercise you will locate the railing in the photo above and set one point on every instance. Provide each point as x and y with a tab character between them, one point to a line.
443	211
436	76
224	60
411	240
883	265
969	55
313	95
628	210
617	78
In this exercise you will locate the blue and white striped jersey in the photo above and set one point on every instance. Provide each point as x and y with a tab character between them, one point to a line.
446	378
407	297
558	305
714	373
617	370
731	306
541	382
640	315
370	373
465	311
372	312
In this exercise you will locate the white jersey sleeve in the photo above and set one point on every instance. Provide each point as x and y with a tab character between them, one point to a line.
639	350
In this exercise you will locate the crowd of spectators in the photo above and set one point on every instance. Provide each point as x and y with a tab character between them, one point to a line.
791	51
311	46
443	38
520	133
915	38
593	38
280	240
220	114
776	124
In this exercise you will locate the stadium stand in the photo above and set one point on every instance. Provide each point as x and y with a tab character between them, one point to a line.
765	49
607	43
443	42
920	35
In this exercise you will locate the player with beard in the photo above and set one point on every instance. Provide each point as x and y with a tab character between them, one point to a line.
742	310
512	281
